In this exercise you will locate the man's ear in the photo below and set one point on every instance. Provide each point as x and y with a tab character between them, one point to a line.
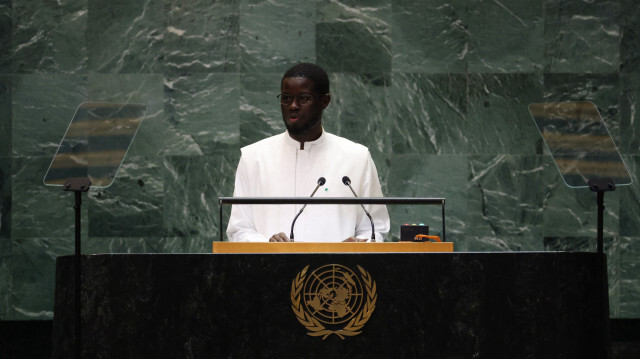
325	100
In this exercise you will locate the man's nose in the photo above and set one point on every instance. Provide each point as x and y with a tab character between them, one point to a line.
294	103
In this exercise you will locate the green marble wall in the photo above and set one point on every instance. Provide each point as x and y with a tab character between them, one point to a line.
436	89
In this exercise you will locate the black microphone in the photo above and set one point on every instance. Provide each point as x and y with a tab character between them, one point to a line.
321	182
347	182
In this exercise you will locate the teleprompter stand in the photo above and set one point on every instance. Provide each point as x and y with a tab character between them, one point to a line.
90	154
582	149
78	185
600	186
585	156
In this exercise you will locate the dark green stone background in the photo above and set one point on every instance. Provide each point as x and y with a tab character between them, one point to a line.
438	91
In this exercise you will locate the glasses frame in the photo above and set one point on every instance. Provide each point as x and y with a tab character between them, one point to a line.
299	99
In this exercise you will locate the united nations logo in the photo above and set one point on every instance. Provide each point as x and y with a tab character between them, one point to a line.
333	300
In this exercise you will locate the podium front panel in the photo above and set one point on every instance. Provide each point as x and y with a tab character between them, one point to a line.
408	305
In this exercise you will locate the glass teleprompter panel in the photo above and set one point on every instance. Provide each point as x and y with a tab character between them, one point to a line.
95	143
579	142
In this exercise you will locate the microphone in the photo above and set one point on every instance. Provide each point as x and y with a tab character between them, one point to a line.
347	182
321	181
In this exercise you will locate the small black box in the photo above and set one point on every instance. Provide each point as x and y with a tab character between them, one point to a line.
408	232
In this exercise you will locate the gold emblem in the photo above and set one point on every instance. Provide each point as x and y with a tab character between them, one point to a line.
333	300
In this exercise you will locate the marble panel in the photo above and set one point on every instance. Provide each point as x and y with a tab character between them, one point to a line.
582	36
430	36
49	37
359	109
435	176
571	212
572	244
383	164
39	211
5	115
154	133
260	115
477	114
507	198
5	36
505	36
498	119
125	36
201	36
629	280
135	245
42	107
629	141
5	276
614	251
5	198
192	187
428	114
630	200
202	111
133	205
276	34
31	279
630	42
470	242
354	36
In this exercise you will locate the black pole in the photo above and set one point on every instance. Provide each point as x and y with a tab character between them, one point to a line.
444	236
78	274
600	186
600	220
78	185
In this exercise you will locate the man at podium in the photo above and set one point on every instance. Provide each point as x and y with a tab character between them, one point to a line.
306	160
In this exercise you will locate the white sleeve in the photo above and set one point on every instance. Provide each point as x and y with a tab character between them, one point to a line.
371	188
241	227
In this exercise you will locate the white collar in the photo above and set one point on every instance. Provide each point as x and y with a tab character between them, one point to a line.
307	145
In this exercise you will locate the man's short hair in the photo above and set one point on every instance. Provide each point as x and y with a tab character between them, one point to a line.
312	72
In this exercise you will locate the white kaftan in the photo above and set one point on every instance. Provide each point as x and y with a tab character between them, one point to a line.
276	167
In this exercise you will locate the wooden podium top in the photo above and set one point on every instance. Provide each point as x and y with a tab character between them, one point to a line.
331	247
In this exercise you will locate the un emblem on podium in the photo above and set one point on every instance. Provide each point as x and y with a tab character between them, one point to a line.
333	299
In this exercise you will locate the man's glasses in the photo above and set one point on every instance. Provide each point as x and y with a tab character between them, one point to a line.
286	99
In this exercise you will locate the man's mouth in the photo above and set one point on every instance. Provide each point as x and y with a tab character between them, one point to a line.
293	118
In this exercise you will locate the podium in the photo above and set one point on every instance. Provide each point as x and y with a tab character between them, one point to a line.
413	305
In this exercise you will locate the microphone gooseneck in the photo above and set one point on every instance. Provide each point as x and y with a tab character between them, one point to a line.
347	182
321	182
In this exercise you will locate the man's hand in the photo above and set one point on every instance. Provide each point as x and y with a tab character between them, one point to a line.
280	237
354	239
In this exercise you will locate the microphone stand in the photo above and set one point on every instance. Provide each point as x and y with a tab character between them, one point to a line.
321	181
347	182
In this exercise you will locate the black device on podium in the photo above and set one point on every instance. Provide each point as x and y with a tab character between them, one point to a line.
411	232
90	155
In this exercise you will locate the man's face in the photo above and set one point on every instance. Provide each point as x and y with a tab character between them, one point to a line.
303	121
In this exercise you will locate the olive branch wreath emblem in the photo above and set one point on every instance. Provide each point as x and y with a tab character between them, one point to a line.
315	328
